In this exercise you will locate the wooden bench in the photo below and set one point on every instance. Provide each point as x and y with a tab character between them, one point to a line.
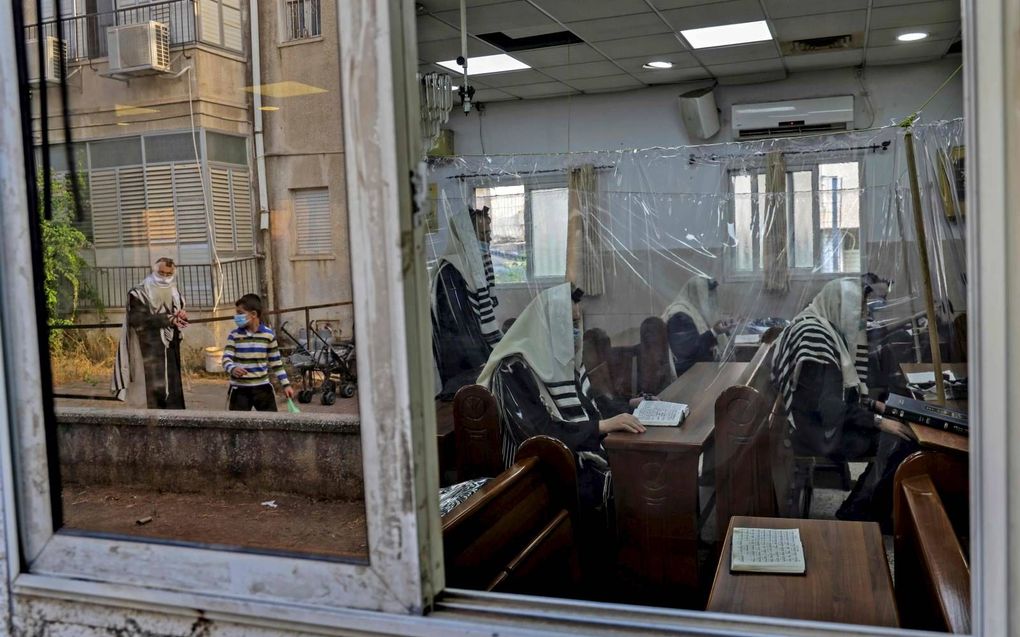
516	534
743	450
476	434
930	520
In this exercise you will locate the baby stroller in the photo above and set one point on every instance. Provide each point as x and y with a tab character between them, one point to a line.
335	365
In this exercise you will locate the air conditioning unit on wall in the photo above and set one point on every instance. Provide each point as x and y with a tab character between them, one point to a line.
139	49
793	117
54	54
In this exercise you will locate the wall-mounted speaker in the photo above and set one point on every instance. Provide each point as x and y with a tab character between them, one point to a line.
699	113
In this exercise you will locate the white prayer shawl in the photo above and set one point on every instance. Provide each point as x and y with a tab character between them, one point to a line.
472	260
702	305
830	331
129	369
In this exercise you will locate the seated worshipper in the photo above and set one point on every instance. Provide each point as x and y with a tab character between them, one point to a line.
147	369
820	368
696	333
542	388
464	325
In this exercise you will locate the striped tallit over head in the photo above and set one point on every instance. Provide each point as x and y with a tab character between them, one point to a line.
471	258
830	331
698	299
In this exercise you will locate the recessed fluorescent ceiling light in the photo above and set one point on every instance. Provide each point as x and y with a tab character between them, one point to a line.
659	64
486	64
727	34
911	37
288	88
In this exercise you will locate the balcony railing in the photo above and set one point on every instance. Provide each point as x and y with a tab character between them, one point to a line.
85	36
202	285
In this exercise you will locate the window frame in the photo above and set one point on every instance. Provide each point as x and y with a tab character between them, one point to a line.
300	254
400	527
286	31
548	182
731	273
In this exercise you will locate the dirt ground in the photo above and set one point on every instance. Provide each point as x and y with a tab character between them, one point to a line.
201	392
295	524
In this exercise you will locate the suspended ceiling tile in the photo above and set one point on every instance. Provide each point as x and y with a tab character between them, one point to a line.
546	89
679	60
666	43
821	25
753	78
778	9
512	78
892	3
454	5
746	68
608	83
673	76
442	50
574	10
431	29
738	53
559	55
486	95
624	26
887	37
901	53
824	60
715	14
580	71
499	17
663	5
911	14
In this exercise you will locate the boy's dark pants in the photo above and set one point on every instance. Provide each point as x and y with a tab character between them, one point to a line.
259	398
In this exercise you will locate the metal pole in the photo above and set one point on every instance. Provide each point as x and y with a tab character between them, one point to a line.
922	247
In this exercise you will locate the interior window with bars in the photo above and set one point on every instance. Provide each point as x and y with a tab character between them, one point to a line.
822	205
303	19
529	231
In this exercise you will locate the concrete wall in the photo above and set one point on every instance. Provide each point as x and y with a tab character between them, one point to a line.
304	149
313	455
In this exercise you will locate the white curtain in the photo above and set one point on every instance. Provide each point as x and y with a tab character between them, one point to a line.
585	267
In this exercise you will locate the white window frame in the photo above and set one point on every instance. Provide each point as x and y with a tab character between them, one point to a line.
546	182
994	295
730	269
287	27
401	528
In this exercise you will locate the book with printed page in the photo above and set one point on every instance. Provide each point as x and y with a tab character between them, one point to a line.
660	413
774	551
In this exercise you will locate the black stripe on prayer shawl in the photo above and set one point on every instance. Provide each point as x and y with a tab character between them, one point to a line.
804	341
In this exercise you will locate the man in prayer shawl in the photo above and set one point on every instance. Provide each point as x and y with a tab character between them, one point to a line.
695	331
820	367
147	369
542	388
464	327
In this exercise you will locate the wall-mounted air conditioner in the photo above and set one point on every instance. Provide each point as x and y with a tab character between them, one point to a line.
54	54
793	117
139	49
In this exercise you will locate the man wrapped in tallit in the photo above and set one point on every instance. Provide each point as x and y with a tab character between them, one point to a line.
820	368
695	331
536	375
464	327
147	369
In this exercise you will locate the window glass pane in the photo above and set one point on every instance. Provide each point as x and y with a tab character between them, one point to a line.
839	216
509	239
549	229
167	291
759	227
743	218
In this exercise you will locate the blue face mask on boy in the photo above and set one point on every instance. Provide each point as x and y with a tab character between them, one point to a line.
241	319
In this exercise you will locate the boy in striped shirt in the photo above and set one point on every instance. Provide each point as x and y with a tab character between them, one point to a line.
250	353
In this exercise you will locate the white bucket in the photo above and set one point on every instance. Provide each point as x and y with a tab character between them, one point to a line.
213	359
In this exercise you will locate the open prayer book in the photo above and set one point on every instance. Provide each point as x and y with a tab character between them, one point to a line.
660	413
767	551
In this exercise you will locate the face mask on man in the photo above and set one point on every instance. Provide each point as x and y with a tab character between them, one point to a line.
241	319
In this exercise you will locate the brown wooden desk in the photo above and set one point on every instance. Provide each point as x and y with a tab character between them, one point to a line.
846	580
930	437
655	483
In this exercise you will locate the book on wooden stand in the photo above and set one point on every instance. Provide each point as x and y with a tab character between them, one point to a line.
773	551
661	413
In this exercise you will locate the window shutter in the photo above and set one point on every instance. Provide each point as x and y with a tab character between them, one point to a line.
192	225
131	187
159	205
209	21
222	216
240	187
105	217
314	223
232	25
